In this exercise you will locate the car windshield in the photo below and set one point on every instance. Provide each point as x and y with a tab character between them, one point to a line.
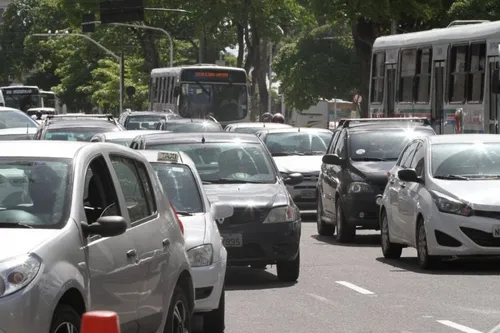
75	133
227	162
143	122
33	192
180	185
470	160
193	127
124	142
382	145
298	143
13	119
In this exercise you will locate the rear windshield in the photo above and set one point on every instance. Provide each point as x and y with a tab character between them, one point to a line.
193	127
144	122
76	133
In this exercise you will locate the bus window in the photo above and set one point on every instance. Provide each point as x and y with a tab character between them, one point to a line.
475	82
407	75
458	73
377	93
423	78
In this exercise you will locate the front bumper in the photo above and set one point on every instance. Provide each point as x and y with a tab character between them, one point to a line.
263	243
209	283
361	210
455	235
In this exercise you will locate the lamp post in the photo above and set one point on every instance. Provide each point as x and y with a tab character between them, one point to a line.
102	47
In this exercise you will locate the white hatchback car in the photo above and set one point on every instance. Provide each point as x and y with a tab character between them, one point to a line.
203	242
441	198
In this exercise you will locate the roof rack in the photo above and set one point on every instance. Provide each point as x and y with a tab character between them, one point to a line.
346	123
109	117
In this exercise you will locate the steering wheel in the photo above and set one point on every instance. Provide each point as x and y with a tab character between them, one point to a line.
19	216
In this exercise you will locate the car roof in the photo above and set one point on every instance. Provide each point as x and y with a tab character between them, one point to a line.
82	123
152	157
371	127
128	134
5	108
201	137
191	120
463	138
41	148
260	124
148	113
296	129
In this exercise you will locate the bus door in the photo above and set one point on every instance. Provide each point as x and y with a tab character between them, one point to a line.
437	111
390	90
492	96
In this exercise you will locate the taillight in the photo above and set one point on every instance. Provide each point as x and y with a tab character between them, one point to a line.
177	217
388	173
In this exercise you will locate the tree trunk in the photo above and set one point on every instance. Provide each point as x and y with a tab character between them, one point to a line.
241	44
261	74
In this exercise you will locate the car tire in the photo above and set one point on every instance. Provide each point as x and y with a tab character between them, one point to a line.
389	250
215	320
324	229
179	313
258	266
345	232
288	271
65	316
425	261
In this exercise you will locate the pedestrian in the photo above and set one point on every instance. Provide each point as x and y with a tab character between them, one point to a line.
278	118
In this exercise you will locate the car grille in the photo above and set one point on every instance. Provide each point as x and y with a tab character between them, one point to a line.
491	215
481	238
247	215
310	177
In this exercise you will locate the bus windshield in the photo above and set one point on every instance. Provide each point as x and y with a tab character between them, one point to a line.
227	102
21	98
49	100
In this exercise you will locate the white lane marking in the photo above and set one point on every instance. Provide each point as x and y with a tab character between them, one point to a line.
355	288
459	327
322	299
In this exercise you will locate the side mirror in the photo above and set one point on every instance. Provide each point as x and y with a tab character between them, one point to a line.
293	179
222	211
177	91
408	175
495	82
106	226
332	159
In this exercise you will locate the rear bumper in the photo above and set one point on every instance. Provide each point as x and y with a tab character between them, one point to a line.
362	210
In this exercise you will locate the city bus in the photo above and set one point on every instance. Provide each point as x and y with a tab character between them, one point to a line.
199	90
21	97
447	75
48	99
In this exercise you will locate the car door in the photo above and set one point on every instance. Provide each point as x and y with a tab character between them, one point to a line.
149	232
409	196
335	171
116	281
327	195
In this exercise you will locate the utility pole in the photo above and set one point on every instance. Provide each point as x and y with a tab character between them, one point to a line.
270	77
201	52
122	79
394	30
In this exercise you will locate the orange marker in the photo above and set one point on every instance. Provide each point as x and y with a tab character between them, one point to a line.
100	322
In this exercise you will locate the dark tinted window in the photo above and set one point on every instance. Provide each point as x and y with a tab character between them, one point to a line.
143	121
418	160
302	143
75	133
193	127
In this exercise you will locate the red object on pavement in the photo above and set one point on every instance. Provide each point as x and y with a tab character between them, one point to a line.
177	217
100	322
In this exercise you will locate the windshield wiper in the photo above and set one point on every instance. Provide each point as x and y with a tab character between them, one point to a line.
287	154
451	177
370	159
235	181
15	225
316	152
184	213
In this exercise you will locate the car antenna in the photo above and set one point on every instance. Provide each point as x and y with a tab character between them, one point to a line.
203	138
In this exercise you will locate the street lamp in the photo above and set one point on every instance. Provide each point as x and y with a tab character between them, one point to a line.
102	47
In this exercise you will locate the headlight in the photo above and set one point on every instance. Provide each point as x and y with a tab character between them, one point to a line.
447	204
282	214
17	273
202	255
359	187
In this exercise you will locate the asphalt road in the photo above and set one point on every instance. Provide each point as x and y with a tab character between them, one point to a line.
351	289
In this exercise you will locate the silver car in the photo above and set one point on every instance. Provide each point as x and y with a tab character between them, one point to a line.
89	228
121	137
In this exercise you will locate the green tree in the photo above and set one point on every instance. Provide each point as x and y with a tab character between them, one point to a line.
475	10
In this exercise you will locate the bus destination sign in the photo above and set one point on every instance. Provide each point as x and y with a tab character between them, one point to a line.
211	75
207	75
18	91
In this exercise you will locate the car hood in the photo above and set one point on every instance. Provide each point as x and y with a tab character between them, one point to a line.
244	195
11	246
301	164
194	230
479	194
373	172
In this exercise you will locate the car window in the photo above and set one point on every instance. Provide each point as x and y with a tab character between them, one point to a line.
148	188
471	160
12	119
408	157
193	127
340	145
381	144
333	142
144	122
302	143
132	188
417	162
34	191
74	134
180	185
227	162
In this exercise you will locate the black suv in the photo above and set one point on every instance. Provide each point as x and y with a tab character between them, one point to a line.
76	127
354	173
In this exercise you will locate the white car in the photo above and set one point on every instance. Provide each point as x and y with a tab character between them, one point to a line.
207	255
441	198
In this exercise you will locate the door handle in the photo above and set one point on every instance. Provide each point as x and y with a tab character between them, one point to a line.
132	253
166	242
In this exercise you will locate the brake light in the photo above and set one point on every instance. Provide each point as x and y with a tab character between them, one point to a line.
388	173
177	217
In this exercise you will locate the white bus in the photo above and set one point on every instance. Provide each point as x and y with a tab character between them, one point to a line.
443	74
21	97
196	91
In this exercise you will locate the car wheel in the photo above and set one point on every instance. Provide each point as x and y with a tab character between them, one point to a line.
215	321
425	261
390	250
288	271
65	320
345	231
324	229
179	314
258	266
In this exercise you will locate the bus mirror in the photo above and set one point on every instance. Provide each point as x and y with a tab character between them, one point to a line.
495	82
176	91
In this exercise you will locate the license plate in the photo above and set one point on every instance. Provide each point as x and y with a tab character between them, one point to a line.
232	240
496	231
308	194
